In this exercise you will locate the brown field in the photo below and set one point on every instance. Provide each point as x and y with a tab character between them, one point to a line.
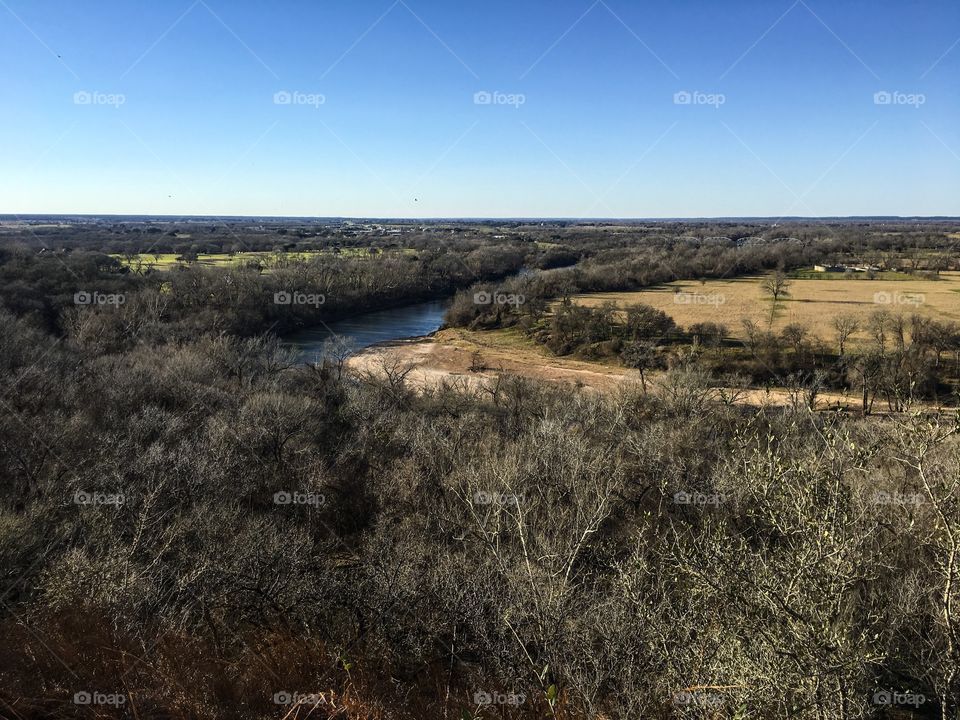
448	355
812	303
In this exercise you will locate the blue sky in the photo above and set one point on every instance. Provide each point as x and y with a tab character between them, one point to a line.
613	108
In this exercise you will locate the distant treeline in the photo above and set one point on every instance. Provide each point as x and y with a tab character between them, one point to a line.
239	300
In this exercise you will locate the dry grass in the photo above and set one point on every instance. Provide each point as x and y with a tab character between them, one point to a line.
45	662
812	303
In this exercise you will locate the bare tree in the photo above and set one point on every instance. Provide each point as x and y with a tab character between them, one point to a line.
641	356
877	326
776	287
390	373
923	443
845	326
336	351
794	334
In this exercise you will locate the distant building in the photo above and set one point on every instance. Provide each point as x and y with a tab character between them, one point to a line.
845	268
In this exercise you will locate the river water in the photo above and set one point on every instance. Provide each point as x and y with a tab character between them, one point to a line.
371	328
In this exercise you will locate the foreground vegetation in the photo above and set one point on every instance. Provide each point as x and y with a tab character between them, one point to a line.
194	525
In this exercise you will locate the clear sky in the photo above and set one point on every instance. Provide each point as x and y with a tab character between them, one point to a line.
606	108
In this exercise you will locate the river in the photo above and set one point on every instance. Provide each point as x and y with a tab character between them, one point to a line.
368	329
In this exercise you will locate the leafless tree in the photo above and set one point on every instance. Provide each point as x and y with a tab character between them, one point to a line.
845	326
777	287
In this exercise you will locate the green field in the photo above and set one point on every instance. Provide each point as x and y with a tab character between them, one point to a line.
168	261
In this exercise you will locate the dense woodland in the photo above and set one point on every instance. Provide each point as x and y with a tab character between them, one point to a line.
194	522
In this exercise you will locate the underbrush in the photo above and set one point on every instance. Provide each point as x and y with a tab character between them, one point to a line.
79	665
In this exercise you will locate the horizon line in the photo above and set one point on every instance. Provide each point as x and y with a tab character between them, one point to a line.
473	219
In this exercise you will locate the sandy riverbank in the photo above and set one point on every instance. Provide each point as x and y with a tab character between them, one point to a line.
454	355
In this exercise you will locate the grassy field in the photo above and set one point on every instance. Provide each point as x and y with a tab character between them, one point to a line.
812	303
167	261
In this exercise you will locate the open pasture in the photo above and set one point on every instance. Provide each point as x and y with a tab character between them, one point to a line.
168	261
811	303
